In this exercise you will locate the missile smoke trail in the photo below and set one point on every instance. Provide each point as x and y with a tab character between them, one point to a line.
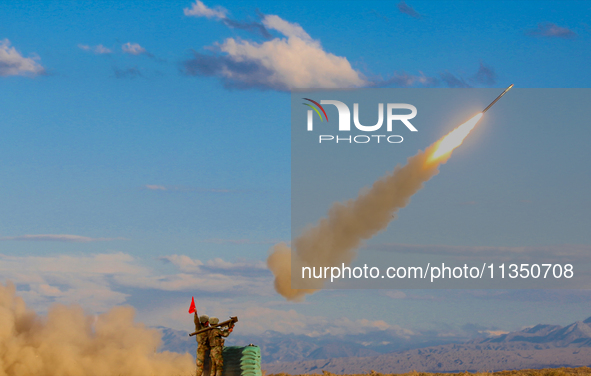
335	239
70	343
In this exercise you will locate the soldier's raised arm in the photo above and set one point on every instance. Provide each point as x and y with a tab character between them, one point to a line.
196	321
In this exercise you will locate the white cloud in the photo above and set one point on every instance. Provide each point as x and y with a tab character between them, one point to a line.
12	63
98	49
154	187
58	238
286	28
198	9
68	279
559	253
404	79
213	276
295	61
396	294
220	14
184	263
493	333
257	317
551	30
94	280
241	241
133	49
172	188
225	265
261	319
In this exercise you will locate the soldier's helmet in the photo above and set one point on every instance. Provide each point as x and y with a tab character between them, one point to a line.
214	321
203	319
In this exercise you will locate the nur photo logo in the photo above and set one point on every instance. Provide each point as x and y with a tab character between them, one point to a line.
392	114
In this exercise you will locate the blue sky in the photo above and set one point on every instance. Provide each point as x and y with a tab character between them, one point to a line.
157	138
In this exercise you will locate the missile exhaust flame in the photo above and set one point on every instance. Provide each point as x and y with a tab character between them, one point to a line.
335	239
454	138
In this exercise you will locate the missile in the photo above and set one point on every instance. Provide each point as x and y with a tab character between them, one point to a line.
499	97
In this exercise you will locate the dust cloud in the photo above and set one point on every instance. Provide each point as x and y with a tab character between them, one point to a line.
69	342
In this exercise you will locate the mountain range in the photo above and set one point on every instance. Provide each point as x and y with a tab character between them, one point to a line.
540	346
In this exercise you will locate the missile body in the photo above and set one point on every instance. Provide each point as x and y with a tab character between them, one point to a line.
499	97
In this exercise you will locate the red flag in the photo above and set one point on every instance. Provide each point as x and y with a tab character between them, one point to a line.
192	307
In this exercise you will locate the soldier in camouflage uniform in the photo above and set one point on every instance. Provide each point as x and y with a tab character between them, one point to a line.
202	342
216	343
